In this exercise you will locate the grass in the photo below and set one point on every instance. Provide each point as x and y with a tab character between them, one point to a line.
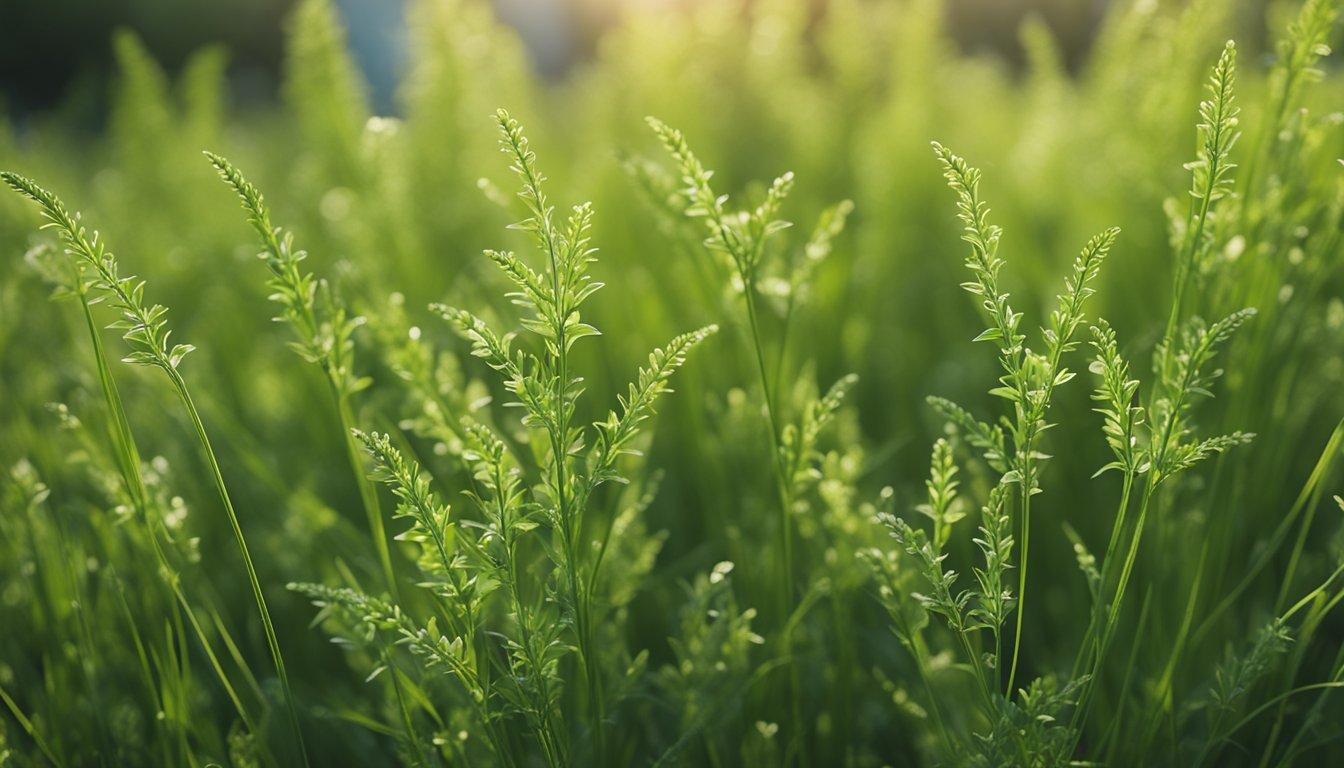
1108	533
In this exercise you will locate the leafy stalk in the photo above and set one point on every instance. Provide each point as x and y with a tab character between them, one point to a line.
146	332
742	238
1210	178
324	341
548	389
1029	380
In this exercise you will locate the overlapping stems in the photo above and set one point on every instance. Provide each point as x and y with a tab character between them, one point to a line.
145	330
467	562
325	337
1029	379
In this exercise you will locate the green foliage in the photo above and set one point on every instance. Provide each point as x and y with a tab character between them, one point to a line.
548	561
325	92
942	487
469	571
145	326
146	332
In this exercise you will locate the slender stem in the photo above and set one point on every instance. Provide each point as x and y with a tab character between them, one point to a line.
782	486
367	491
1298	547
413	741
1114	726
985	691
1163	696
545	726
29	728
1090	639
781	482
1021	583
1107	629
1183	262
1114	612
605	541
917	650
265	614
998	652
571	519
151	687
128	455
1117	530
210	654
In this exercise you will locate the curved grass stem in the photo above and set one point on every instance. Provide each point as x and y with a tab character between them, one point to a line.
253	581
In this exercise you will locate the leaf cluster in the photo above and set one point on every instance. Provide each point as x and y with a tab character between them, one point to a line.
144	326
325	331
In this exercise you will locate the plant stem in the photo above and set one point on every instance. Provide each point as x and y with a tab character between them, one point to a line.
272	642
782	486
1095	624
508	533
1021	584
1164	685
367	491
781	482
30	729
128	456
1108	629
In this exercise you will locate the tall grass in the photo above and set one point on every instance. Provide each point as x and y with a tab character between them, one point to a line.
1105	534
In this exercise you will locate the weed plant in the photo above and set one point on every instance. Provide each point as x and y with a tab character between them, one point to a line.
1108	534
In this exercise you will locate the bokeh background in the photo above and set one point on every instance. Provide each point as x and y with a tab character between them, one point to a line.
58	54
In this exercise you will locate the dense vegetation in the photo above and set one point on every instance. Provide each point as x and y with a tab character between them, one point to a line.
709	470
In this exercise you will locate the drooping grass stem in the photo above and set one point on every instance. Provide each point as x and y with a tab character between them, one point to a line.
326	344
147	334
128	457
253	581
368	494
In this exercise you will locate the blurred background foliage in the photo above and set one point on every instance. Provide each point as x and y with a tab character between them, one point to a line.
58	54
372	138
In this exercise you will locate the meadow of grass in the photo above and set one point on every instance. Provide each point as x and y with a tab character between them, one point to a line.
780	387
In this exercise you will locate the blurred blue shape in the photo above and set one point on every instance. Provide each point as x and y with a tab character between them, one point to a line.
377	39
376	34
546	27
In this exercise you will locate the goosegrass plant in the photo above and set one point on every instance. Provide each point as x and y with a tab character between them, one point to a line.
1011	447
325	334
1209	634
1029	378
741	239
143	500
146	332
1222	211
551	614
1151	444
